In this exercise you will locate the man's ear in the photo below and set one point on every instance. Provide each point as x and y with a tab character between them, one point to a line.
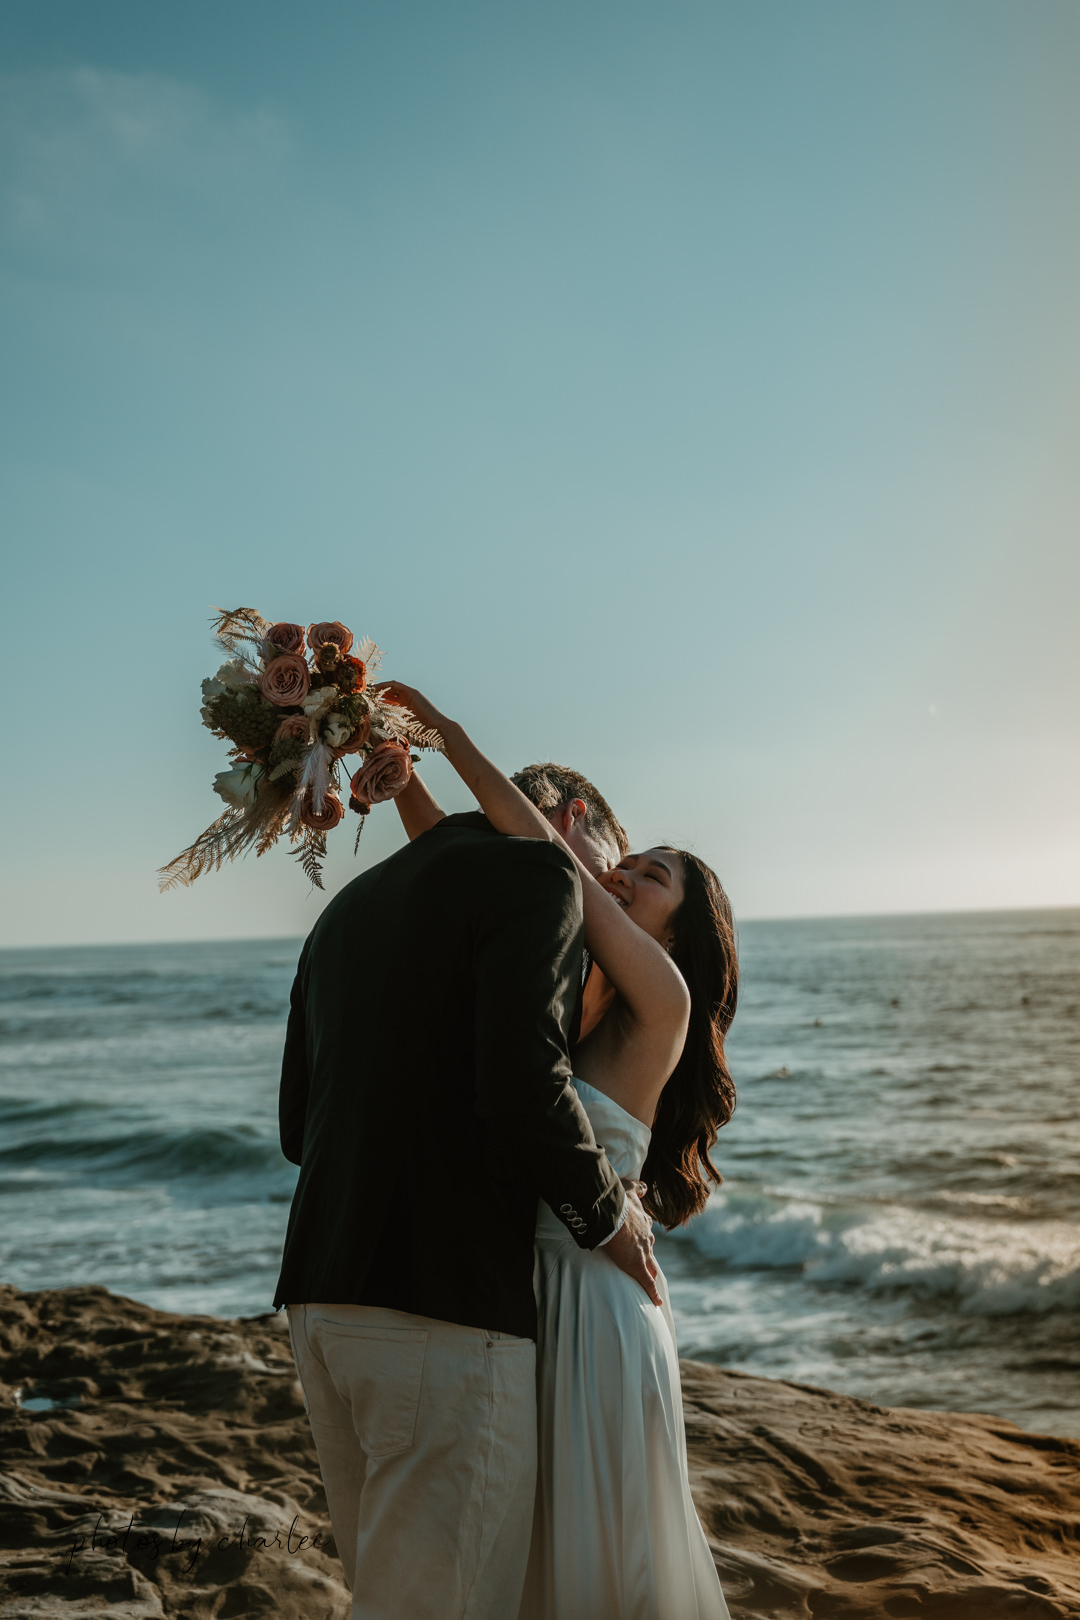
560	818
576	810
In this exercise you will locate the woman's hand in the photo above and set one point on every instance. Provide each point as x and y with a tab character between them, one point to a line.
416	806
422	708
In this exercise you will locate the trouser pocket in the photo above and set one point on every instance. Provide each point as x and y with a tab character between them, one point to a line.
378	1373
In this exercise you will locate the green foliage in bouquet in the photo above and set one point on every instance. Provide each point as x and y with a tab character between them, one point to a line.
241	715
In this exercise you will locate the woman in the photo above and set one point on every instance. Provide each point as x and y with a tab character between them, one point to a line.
616	1535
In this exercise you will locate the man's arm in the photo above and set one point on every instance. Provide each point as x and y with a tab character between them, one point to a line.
527	963
293	1091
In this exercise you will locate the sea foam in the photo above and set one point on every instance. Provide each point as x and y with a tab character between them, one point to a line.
986	1267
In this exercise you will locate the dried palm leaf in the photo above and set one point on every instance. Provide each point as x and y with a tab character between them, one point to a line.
219	843
278	798
237	628
232	834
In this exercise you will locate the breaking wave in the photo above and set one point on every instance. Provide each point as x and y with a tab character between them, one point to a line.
984	1267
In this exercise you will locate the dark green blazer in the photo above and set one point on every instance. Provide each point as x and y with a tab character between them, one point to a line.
425	1087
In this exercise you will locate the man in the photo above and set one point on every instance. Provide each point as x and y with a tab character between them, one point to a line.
425	1095
578	812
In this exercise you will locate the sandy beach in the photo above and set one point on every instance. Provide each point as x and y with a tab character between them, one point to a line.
156	1464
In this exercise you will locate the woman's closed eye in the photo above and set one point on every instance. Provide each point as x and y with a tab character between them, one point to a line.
637	868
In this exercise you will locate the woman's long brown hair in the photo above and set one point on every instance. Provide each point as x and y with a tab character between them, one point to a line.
700	1096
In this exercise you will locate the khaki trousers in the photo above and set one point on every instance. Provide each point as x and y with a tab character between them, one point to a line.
426	1437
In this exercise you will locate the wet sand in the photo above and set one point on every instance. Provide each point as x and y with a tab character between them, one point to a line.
161	1465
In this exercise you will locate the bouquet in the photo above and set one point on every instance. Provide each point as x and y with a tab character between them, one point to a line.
294	704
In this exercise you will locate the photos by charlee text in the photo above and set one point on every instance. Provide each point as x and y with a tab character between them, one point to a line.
153	1544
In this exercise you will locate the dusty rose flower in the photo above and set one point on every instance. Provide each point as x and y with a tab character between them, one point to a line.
285	681
287	638
294	727
333	631
383	775
358	740
332	812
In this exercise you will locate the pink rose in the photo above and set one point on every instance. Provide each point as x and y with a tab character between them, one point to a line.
287	638
332	812
294	728
319	634
383	774
285	681
358	739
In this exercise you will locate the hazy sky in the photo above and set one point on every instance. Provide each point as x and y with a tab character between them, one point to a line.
685	392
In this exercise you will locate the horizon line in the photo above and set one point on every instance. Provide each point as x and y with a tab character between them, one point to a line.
807	917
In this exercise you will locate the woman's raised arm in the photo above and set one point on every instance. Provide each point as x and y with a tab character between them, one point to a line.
652	989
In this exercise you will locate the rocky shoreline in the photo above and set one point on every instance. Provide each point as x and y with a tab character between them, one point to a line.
161	1465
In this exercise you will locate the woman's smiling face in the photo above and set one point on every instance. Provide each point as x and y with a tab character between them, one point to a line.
650	889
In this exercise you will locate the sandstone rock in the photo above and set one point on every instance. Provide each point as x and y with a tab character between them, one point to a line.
818	1505
170	1472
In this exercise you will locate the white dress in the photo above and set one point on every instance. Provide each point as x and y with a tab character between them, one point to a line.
616	1535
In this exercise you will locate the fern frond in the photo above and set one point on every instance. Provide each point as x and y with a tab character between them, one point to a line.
398	724
401	725
311	854
286	767
424	736
359	830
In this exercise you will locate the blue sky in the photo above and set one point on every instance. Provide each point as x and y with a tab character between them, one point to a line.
688	393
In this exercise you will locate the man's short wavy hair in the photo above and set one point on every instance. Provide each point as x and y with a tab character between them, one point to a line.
550	787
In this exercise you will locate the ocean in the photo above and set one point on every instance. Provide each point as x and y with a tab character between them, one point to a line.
900	1212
